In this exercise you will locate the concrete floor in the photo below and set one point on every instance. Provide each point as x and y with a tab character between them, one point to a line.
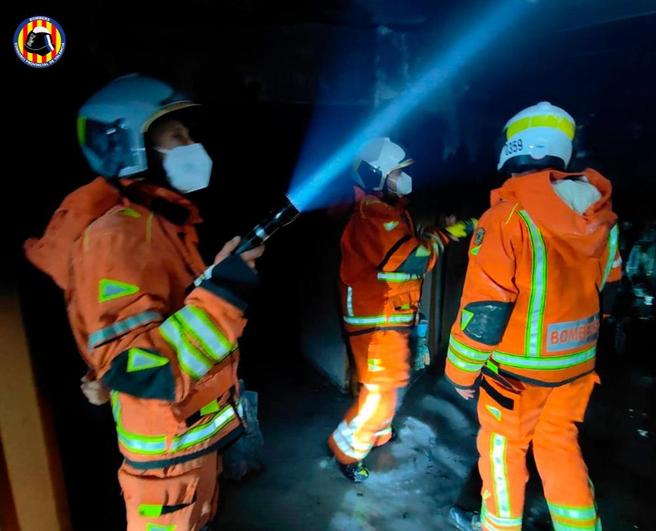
416	478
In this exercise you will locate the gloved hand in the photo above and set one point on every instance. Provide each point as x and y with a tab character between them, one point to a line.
461	229
95	391
249	256
419	345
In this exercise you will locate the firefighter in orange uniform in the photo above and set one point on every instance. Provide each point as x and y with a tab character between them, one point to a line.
156	327
529	317
384	261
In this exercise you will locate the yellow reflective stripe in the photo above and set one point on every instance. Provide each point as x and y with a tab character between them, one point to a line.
498	446
198	324
508	524
461	364
576	526
468	352
572	512
160	527
191	360
120	328
546	363
346	448
542	120
398	277
538	296
200	433
157	444
137	443
379	319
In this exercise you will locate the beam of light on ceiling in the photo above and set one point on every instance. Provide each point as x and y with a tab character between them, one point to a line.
312	179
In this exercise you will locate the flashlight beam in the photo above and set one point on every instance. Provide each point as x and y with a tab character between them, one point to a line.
306	191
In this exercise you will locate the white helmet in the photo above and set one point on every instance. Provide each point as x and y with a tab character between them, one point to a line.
538	137
376	160
112	123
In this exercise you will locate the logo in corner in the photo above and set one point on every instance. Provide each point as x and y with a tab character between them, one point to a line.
39	42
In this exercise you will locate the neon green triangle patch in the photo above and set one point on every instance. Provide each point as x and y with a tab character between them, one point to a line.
465	318
109	289
129	212
210	408
140	360
495	412
475	250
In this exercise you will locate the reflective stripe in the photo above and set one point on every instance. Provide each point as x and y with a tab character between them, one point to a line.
383	432
203	432
613	242
346	448
560	123
190	359
349	300
139	444
150	510
578	526
397	277
533	340
157	444
506	523
375	365
494	411
573	513
468	352
160	527
196	322
461	364
499	474
120	328
559	362
348	435
379	319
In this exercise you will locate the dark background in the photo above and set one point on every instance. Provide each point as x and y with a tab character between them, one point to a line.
267	71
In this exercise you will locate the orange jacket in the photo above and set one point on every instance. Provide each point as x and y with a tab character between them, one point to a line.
530	304
383	265
168	352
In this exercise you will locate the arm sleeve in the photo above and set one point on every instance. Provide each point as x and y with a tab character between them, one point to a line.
388	241
137	343
488	297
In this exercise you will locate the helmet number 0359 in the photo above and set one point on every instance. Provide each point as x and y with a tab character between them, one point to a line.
514	146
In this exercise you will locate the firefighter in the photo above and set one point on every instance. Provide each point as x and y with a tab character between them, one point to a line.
157	328
384	260
527	328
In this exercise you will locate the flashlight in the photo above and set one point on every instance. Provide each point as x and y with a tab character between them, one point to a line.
277	218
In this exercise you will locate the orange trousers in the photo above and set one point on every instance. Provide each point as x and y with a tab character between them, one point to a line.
382	365
181	497
512	417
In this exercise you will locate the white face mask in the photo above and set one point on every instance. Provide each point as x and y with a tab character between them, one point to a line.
400	184
188	168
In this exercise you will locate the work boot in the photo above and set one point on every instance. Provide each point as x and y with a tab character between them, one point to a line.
464	520
356	472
